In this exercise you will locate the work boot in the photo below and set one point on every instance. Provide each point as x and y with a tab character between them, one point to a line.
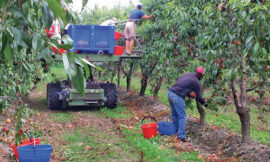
184	139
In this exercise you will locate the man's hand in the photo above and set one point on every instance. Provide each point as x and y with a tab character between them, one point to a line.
192	94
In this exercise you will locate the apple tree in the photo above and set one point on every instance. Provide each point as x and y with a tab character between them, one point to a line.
234	42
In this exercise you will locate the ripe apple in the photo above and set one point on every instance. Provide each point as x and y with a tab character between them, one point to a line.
5	129
223	8
221	66
233	42
8	121
238	43
87	147
266	68
200	156
221	61
217	61
20	132
214	127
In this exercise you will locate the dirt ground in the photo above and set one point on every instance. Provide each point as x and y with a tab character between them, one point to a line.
213	145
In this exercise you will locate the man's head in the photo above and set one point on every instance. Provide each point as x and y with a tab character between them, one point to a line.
199	72
139	6
115	20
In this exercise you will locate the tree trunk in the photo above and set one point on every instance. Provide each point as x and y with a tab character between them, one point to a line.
202	113
244	111
129	74
144	82
245	125
157	87
112	76
128	83
119	73
240	104
201	110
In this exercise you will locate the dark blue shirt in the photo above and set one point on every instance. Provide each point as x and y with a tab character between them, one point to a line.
188	83
136	14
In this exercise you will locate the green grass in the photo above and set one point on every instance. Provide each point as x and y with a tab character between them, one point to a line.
104	147
152	150
149	147
119	112
63	117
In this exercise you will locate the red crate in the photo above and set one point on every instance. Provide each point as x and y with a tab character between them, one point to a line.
117	35
118	50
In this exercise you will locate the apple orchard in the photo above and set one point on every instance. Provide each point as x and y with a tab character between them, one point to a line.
229	38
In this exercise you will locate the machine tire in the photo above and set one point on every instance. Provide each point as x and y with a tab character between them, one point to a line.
110	92
53	101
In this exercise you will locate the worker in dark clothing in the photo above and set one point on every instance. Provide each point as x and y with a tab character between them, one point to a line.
188	85
130	27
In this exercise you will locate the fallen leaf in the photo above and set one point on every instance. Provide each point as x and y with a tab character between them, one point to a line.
79	144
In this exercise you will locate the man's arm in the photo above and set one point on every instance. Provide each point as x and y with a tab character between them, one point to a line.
199	96
147	17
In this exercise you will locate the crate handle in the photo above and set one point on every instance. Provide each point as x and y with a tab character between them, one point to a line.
148	117
28	135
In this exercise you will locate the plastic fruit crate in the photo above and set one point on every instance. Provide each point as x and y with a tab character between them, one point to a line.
92	38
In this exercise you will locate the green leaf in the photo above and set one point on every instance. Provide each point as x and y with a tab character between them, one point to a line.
17	34
69	66
66	46
256	47
249	39
57	10
75	72
94	66
78	80
35	41
44	53
47	15
8	53
86	69
3	4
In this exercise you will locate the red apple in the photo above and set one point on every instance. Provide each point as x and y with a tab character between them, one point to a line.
5	129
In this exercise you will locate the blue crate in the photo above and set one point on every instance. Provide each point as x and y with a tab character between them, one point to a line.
92	38
166	128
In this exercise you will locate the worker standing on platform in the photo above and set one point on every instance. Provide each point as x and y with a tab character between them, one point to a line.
130	28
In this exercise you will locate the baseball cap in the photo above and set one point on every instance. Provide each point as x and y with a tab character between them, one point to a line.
200	70
139	4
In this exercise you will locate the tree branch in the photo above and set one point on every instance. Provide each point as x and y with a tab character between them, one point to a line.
256	86
4	13
234	92
243	84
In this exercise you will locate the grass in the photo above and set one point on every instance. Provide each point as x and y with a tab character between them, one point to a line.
62	117
150	147
156	149
119	112
103	146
